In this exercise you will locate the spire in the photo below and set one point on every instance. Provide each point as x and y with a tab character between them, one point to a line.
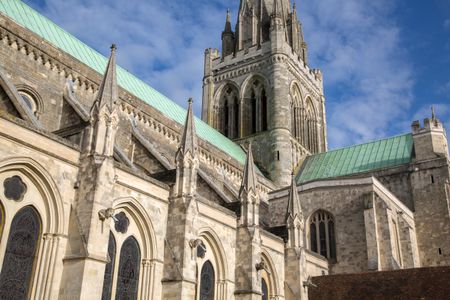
108	92
104	115
293	208
249	180
228	22
433	113
189	138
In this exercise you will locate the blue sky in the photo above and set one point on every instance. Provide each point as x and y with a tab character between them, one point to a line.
385	62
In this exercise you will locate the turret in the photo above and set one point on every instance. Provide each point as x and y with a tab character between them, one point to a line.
430	141
228	44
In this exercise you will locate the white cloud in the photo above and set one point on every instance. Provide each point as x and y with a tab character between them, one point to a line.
359	48
352	41
161	41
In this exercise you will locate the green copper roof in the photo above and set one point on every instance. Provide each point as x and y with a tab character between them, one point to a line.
357	159
40	25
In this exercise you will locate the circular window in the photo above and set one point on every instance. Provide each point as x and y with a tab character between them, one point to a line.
29	101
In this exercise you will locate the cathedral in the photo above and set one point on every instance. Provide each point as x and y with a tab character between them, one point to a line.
110	190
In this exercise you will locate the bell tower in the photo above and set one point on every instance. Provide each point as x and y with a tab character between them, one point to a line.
260	89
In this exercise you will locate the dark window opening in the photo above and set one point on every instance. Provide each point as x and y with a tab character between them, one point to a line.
264	290
129	265
263	111
226	119
207	282
432	179
20	255
322	235
278	155
253	117
440	251
107	279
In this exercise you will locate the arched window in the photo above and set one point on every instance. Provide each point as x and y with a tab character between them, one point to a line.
297	115
207	282
20	255
264	290
107	280
321	231
310	125
253	116
254	109
228	109
263	110
129	265
31	98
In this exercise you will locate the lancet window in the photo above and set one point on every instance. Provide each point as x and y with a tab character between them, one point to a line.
322	236
228	113
254	110
20	255
207	281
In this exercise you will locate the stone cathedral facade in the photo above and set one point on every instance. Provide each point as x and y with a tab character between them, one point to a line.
109	190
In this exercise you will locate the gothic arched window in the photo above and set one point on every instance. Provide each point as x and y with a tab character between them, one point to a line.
253	116
263	110
129	265
20	254
107	279
321	232
311	136
207	282
228	110
264	290
297	115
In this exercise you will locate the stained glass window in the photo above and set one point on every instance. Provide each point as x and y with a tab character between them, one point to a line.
109	268
129	265
264	290
207	281
15	188
122	223
20	254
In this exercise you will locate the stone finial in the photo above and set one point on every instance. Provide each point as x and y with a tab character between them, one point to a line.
293	207
249	181
276	9
108	94
433	113
189	138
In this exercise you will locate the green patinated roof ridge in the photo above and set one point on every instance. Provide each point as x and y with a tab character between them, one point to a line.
382	153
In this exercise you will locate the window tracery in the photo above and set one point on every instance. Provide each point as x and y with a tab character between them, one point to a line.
20	254
207	281
228	113
322	236
128	273
31	99
14	188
